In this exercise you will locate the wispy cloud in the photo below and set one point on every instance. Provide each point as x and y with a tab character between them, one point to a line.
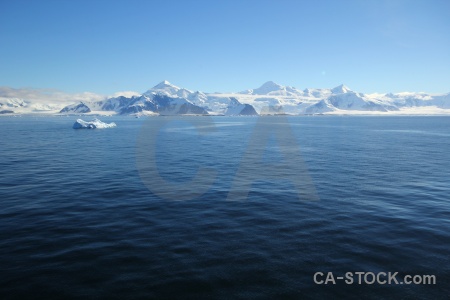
55	96
126	94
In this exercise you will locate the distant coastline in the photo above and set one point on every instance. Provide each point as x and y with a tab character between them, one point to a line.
269	99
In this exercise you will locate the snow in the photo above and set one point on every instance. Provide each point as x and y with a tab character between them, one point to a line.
12	102
405	111
235	108
273	89
76	108
95	123
267	88
341	89
168	89
271	97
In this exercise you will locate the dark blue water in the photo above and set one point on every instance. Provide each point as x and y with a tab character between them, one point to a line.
77	221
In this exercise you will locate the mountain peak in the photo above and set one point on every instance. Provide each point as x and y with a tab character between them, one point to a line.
164	84
268	87
271	84
341	89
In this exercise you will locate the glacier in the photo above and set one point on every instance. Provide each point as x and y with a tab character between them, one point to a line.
95	123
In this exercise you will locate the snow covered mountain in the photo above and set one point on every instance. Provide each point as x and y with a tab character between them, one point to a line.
275	98
341	89
235	108
11	103
16	105
163	99
350	101
168	99
273	89
270	98
76	108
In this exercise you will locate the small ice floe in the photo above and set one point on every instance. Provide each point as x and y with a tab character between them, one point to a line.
96	123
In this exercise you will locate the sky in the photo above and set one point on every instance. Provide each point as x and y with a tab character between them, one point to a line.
228	46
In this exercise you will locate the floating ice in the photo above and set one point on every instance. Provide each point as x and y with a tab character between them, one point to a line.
96	123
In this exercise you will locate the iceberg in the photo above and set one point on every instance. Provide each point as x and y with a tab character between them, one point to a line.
96	123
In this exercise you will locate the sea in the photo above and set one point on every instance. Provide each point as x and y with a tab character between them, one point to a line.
274	207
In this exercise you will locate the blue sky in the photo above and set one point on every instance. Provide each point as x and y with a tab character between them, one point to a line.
110	46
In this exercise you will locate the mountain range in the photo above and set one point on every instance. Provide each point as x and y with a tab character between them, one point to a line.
270	98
